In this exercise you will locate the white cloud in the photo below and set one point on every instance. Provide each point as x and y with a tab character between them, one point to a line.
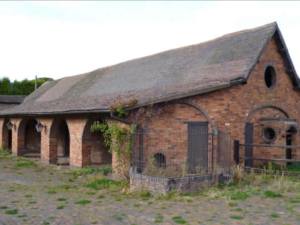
64	38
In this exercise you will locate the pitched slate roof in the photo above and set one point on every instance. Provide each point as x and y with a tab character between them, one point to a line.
169	75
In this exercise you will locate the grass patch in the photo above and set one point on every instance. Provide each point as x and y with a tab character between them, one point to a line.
294	167
61	199
104	183
119	217
24	163
178	220
83	202
11	212
236	217
145	195
51	191
232	204
239	195
60	207
294	200
274	215
159	218
4	153
272	194
104	170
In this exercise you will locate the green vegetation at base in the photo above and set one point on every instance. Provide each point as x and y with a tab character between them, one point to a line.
105	183
103	170
178	220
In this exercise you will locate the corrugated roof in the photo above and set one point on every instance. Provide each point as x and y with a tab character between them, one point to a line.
165	76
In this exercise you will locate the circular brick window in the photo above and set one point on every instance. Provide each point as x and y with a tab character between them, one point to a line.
269	134
270	76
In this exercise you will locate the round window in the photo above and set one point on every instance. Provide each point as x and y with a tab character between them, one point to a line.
270	76
269	134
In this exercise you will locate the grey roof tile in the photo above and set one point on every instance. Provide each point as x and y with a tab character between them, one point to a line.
165	76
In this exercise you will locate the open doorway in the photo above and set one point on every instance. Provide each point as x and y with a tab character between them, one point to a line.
289	142
59	143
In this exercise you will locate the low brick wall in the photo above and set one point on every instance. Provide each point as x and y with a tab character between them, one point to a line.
191	183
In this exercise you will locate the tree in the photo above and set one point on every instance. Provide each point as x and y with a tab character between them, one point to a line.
24	87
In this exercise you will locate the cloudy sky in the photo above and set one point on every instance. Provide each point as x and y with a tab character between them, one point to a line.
57	39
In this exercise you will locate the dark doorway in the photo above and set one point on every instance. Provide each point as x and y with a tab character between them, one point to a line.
63	140
9	144
93	146
289	142
59	142
7	136
248	145
32	138
288	150
197	159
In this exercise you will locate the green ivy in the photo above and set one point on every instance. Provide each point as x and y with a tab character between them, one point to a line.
113	132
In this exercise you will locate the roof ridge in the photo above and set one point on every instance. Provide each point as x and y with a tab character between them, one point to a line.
178	48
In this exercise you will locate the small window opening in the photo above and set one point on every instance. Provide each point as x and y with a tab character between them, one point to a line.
269	134
160	160
270	76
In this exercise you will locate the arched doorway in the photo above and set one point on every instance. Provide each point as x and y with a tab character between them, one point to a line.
29	138
6	135
93	147
267	126
59	143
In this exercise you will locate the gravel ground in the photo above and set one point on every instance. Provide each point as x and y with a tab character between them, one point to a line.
31	193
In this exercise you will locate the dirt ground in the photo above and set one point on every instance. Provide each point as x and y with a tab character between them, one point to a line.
31	193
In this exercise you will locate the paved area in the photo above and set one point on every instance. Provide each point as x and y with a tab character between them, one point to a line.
31	193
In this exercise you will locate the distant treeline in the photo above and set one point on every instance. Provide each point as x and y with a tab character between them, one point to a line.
24	87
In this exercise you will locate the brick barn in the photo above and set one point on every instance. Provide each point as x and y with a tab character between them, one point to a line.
242	84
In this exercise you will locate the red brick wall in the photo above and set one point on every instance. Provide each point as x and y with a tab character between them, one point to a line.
79	156
45	139
229	109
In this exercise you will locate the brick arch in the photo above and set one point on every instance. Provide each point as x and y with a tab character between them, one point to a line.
6	135
29	140
93	147
201	111
59	142
266	106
